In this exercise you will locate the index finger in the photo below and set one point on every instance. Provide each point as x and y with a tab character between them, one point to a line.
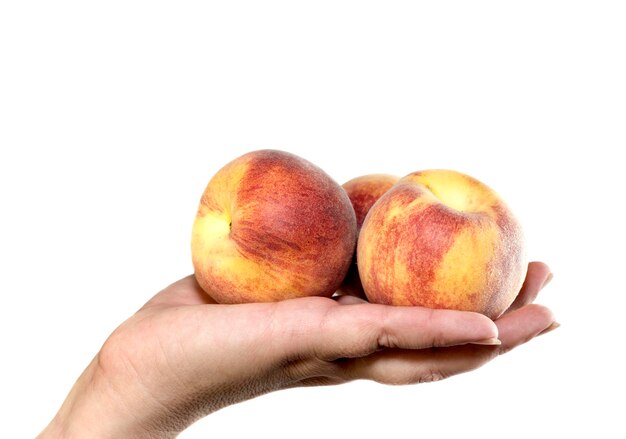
348	331
537	276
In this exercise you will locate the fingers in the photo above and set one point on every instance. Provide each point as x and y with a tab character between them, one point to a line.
399	366
346	299
358	330
417	366
537	277
520	326
407	357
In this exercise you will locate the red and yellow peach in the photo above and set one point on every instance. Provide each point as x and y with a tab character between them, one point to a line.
272	226
442	239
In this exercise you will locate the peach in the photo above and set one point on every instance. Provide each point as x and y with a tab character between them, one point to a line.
442	239
363	191
272	226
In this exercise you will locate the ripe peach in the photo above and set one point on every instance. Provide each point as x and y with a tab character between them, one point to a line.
442	239
363	191
272	226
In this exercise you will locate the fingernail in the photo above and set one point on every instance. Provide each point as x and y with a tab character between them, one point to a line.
548	279
493	341
552	327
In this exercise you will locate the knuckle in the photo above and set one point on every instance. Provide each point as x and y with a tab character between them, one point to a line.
431	375
380	325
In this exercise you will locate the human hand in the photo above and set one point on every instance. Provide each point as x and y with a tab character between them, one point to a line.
182	356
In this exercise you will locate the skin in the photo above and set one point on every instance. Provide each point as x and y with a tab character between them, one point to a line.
182	356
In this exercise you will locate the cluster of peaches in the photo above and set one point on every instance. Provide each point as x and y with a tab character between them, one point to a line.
273	226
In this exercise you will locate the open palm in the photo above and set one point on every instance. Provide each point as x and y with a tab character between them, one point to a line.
183	356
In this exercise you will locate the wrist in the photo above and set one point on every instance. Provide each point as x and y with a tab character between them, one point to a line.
93	409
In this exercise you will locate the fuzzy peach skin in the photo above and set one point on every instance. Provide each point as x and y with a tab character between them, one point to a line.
363	192
442	239
272	226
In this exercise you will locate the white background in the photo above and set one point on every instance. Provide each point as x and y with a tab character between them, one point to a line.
114	115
